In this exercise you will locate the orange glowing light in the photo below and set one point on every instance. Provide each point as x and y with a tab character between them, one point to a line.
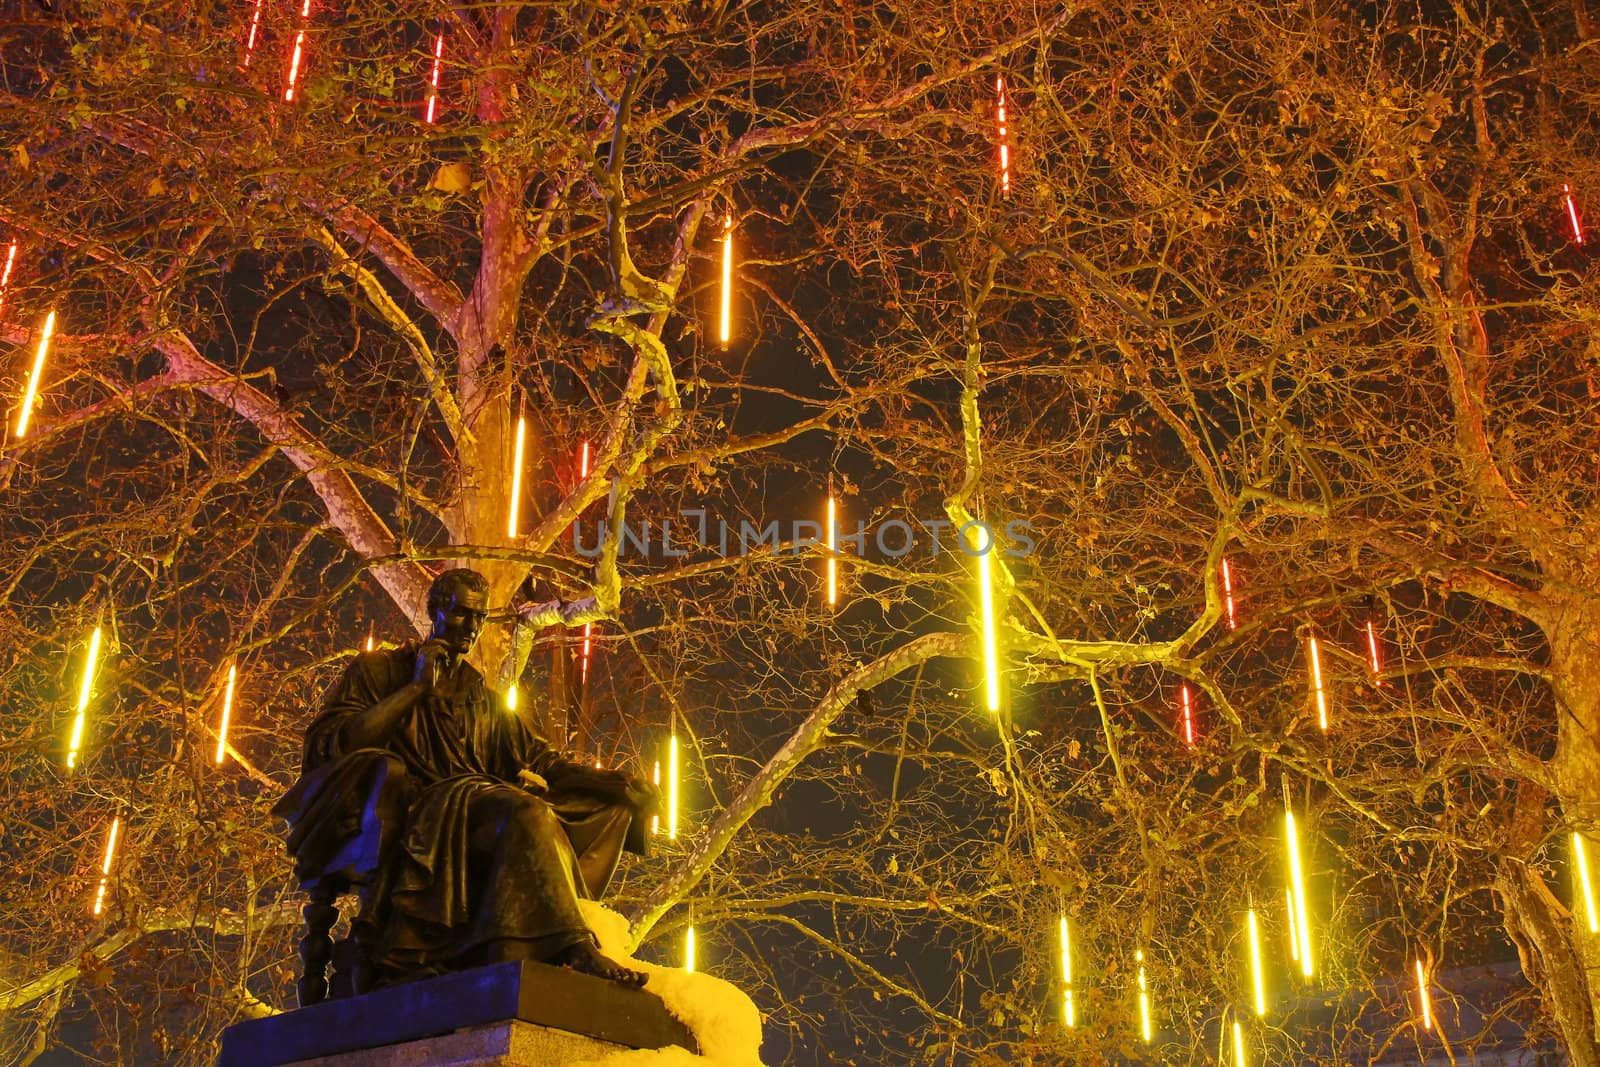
105	867
299	51
5	273
583	460
370	643
227	714
433	81
255	28
833	549
1315	657
30	395
1572	214
515	504
85	692
1373	655
1423	998
655	820
1188	716
727	280
587	630
1227	593
1000	123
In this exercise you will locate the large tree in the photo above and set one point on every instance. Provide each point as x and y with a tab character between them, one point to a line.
1293	288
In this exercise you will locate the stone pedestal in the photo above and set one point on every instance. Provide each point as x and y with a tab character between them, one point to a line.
507	1015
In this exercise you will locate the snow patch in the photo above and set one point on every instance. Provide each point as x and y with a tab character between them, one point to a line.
723	1020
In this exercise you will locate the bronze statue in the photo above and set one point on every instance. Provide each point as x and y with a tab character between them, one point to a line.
468	837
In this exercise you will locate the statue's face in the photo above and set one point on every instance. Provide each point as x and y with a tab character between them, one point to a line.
460	621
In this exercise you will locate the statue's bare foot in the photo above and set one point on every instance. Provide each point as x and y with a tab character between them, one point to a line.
586	959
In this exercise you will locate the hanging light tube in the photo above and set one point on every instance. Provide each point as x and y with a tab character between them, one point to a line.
991	651
1002	133
1144	1000
371	643
227	713
299	50
655	820
255	28
1227	593
1068	1010
1188	716
1258	981
672	787
85	691
688	950
512	696
583	461
1294	930
1238	1045
1297	880
1315	657
1572	214
30	394
726	332
1423	999
1581	861
1373	655
105	867
833	548
514	507
583	673
5	272
433	80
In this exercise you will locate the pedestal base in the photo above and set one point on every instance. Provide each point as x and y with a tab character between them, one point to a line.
516	1014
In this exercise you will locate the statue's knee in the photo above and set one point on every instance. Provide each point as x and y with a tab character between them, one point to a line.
506	807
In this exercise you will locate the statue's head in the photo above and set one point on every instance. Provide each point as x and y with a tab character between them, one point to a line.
458	604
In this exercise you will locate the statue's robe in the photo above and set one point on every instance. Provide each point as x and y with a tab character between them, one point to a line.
454	852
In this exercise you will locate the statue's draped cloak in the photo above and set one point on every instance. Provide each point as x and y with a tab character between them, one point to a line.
475	856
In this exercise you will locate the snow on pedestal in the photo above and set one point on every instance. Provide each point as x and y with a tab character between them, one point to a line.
723	1020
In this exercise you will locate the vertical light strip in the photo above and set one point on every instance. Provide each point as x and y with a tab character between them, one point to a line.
1373	655
833	548
1294	929
1315	656
655	820
105	867
1068	1010
85	691
514	507
299	51
1227	593
512	696
1238	1045
1188	716
1003	133
433	81
5	272
1572	214
1423	999
1258	979
726	332
32	391
672	787
688	950
583	673
227	714
1298	882
991	651
255	28
583	461
1144	1000
1580	860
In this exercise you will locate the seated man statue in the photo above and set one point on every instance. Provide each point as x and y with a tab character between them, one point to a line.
469	838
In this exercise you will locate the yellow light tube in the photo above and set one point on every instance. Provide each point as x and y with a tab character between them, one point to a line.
5	274
105	867
85	691
511	697
833	548
1068	1012
1298	881
1316	683
1422	998
726	332
1581	861
672	788
227	713
1238	1045
30	394
1144	1001
655	820
1227	592
513	511
1294	932
991	652
1257	976
688	950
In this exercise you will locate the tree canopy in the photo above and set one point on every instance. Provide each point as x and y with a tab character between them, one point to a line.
1270	350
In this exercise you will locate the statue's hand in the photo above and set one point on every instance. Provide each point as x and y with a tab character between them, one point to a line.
533	783
642	795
